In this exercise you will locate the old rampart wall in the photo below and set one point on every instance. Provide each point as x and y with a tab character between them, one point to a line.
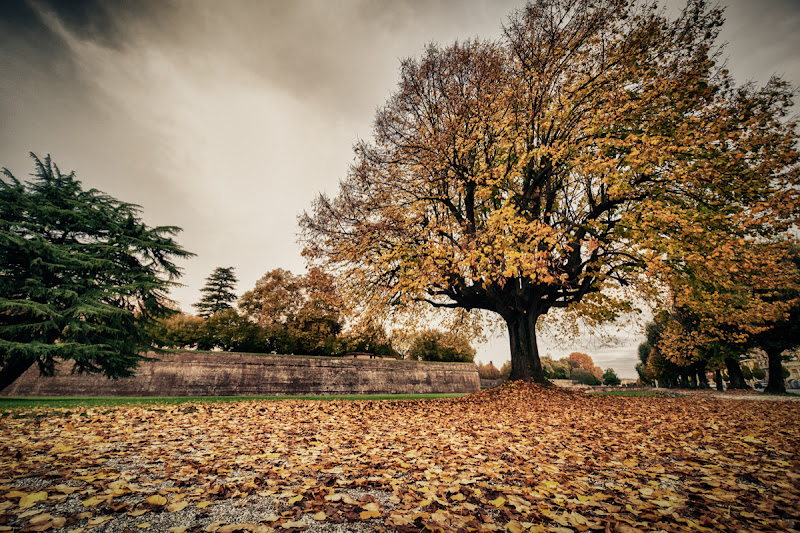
226	374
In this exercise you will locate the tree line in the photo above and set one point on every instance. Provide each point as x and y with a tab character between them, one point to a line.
577	366
294	314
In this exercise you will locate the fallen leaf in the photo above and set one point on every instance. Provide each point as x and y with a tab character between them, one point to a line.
29	500
156	499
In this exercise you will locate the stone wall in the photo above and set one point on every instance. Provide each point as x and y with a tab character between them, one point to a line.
225	374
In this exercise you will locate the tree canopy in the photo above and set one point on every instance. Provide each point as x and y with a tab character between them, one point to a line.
437	345
596	143
217	294
82	276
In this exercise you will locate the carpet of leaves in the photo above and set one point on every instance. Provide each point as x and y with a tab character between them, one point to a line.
518	458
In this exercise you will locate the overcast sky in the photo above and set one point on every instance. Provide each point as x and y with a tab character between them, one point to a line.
226	118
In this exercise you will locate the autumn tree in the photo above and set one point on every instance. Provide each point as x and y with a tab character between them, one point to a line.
218	292
581	360
595	140
305	309
489	371
276	298
783	333
747	299
670	366
81	276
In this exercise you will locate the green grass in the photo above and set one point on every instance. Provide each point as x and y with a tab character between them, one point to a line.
627	393
73	402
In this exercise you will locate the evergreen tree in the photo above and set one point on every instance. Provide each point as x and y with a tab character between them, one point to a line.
218	292
81	276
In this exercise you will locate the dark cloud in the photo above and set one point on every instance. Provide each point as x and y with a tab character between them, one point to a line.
103	21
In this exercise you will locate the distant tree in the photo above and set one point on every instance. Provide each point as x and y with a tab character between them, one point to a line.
368	338
610	378
559	369
581	360
81	276
436	345
505	370
305	309
489	371
179	331
229	331
276	298
318	320
584	377
217	294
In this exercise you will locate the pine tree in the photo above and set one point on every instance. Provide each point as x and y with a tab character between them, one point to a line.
81	276
218	292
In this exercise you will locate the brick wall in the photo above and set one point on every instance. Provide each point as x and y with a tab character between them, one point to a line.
225	374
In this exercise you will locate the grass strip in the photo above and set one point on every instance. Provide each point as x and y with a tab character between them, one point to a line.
72	402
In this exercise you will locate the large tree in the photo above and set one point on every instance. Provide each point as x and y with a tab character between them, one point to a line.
217	293
597	140
81	276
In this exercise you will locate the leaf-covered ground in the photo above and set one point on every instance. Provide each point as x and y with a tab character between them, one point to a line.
511	459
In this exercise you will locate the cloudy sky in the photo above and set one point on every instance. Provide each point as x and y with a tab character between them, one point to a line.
226	118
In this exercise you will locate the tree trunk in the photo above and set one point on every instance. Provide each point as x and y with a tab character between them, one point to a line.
702	379
13	369
776	383
525	362
735	374
718	379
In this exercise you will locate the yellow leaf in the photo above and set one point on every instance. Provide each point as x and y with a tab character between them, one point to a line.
498	502
203	504
29	500
366	515
60	448
156	499
515	527
296	523
39	518
138	512
578	519
177	506
320	516
66	489
99	520
143	525
458	497
91	502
